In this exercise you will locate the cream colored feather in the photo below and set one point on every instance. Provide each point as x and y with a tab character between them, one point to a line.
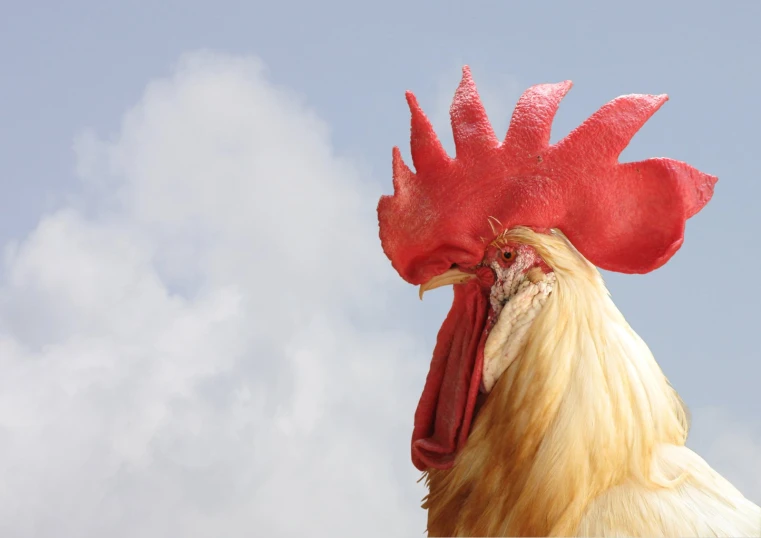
582	435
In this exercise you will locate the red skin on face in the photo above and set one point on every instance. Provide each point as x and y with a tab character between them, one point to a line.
504	256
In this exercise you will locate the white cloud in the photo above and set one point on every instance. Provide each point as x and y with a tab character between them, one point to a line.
196	346
199	344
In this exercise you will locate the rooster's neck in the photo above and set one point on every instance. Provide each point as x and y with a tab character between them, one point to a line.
579	411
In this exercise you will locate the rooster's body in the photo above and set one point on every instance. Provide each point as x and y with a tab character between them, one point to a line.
544	414
582	435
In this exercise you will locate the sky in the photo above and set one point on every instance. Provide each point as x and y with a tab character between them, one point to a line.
199	332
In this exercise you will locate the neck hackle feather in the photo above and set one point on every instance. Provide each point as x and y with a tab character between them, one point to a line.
581	410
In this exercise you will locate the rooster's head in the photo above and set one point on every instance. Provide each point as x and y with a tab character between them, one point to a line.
460	221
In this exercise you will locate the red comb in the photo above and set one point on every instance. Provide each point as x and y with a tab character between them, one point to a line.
622	217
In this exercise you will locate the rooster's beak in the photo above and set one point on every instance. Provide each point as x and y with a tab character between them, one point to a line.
451	277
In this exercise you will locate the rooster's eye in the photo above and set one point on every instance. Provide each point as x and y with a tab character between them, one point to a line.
507	255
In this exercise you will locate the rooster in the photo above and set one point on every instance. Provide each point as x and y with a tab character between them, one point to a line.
544	413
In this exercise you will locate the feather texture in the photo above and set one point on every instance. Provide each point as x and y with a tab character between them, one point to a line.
583	434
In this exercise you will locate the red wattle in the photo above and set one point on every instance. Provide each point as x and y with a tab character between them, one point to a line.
445	411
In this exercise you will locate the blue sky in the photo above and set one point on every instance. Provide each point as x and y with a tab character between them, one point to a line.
198	330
